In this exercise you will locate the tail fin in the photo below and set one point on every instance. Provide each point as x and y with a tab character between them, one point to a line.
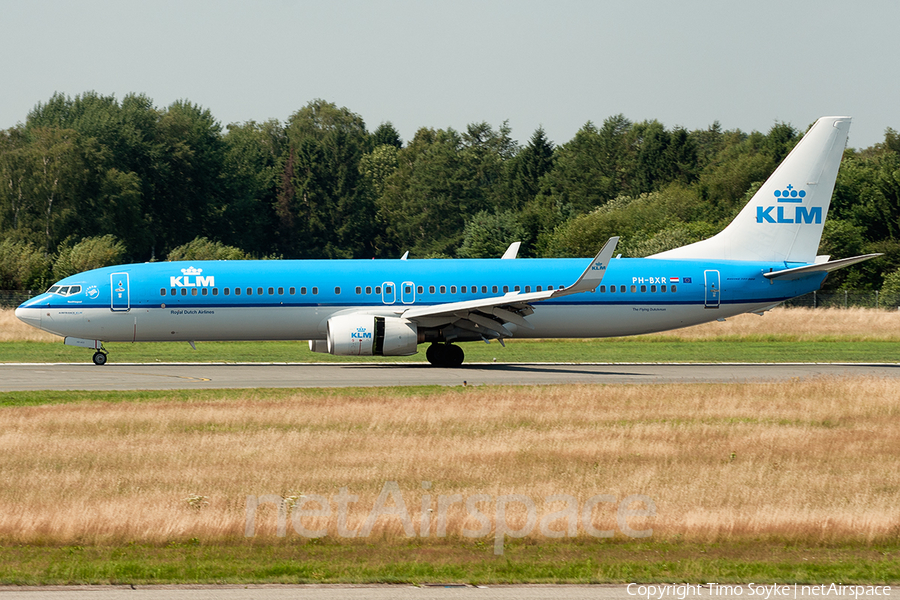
784	219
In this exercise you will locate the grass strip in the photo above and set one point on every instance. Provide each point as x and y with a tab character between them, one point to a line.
753	349
577	561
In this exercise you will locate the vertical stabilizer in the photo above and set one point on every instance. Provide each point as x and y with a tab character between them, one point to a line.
784	219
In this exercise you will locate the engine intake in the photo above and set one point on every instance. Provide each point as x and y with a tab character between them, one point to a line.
370	335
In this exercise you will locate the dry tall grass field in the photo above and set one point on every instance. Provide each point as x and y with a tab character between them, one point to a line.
803	323
809	461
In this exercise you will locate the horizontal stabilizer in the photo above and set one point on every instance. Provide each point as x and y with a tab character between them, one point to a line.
827	267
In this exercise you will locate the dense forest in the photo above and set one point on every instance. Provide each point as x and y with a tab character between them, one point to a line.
90	180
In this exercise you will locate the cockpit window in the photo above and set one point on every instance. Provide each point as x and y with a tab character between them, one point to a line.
64	290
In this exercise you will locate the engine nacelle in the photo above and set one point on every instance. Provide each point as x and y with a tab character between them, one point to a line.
369	335
318	346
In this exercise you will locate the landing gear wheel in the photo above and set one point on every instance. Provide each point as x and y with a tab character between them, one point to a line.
454	356
445	355
99	358
433	354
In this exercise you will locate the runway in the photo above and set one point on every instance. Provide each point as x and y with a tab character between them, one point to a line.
118	376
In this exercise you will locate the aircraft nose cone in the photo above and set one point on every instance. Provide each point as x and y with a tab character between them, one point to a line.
31	316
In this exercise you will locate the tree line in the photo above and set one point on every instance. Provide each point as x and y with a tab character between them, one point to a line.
92	180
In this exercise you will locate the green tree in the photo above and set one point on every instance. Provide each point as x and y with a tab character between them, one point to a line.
488	235
386	134
330	204
202	248
23	266
252	158
89	253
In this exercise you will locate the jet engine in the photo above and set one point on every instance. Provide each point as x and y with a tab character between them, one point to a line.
370	335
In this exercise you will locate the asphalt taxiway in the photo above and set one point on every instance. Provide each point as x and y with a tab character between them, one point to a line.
158	376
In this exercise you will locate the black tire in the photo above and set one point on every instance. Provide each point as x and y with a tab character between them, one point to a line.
454	356
433	354
99	359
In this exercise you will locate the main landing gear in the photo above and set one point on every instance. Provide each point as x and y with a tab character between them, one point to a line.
100	357
444	355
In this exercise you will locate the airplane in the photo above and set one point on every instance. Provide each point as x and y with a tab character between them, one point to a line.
765	256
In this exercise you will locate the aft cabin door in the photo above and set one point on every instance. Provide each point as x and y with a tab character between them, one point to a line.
711	284
121	294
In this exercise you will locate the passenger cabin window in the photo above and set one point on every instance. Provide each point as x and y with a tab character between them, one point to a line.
443	289
463	289
204	292
271	291
673	289
452	289
358	290
505	289
281	291
162	291
237	291
612	289
407	289
420	289
537	289
337	290
516	288
430	289
303	291
652	289
368	289
227	291
494	289
292	291
662	288
622	288
643	289
215	291
184	291
484	289
377	289
527	289
388	289
602	289
315	291
259	291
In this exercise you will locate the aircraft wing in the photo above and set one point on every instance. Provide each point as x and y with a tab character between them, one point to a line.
489	316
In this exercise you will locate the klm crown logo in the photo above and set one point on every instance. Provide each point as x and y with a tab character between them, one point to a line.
187	274
783	214
790	195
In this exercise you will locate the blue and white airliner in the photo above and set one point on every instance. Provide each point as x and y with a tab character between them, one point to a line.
388	307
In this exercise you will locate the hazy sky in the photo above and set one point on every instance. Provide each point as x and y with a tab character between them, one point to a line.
557	64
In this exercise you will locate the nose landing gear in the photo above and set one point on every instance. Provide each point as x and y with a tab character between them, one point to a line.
445	355
100	357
